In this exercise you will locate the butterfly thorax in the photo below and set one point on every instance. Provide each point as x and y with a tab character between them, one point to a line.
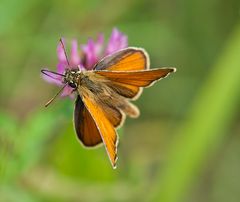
76	78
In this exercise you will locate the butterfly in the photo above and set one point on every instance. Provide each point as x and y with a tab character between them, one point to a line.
104	95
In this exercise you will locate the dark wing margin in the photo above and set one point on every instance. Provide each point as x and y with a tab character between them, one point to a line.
85	127
129	59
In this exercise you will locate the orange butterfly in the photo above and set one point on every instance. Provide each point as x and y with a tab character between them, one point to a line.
104	95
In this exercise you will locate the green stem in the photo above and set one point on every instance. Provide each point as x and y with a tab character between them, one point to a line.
205	127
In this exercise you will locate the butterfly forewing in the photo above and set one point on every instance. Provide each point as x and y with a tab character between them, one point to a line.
105	127
136	78
128	59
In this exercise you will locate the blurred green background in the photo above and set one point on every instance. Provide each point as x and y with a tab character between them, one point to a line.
184	147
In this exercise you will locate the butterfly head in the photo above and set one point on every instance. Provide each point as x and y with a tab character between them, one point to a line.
71	77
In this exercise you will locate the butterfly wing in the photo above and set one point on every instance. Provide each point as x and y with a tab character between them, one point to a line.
129	59
128	70
143	78
85	127
105	127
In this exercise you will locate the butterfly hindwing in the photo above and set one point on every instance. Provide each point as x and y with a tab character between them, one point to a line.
85	127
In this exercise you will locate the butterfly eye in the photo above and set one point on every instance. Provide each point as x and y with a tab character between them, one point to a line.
73	85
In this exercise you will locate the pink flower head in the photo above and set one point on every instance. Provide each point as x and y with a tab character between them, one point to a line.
92	52
116	42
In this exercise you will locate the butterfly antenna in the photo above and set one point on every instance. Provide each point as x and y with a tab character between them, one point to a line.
61	41
46	71
54	97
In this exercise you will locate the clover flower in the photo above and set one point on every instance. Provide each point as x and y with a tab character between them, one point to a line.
85	58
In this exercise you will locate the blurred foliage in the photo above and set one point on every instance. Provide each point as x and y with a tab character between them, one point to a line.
185	145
